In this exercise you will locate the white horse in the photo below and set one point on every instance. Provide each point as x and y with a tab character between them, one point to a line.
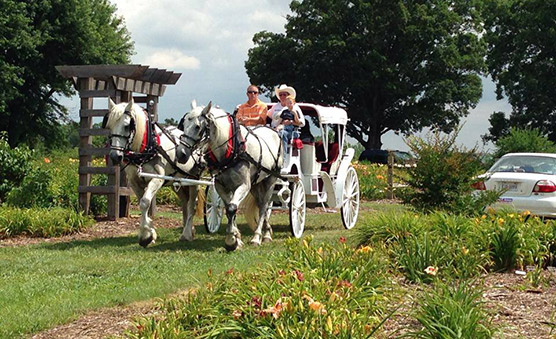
139	144
243	160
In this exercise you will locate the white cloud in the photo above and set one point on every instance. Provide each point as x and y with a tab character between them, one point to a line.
172	59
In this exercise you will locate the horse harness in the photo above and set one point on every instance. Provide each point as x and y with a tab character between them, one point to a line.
236	151
150	146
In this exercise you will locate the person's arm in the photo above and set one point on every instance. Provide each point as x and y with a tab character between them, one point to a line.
299	119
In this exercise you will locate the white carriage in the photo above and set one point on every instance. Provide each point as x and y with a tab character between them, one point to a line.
318	172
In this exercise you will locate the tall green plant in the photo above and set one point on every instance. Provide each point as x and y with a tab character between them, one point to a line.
443	175
453	311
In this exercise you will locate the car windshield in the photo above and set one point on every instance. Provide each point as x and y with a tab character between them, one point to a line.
525	163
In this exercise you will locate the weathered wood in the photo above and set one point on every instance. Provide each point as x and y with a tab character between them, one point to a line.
89	151
99	170
84	84
104	190
129	85
93	132
85	113
102	71
96	93
118	82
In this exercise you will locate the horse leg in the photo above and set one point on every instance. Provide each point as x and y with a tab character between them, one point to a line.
188	196
266	191
233	236
147	233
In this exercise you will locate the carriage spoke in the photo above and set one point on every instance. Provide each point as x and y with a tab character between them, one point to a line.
350	199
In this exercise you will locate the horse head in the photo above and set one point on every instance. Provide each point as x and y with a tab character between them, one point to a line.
194	125
126	122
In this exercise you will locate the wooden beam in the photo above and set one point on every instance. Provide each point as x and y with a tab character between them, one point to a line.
83	132
102	71
99	170
89	151
96	94
93	112
104	190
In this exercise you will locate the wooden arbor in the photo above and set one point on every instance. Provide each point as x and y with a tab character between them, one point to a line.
119	82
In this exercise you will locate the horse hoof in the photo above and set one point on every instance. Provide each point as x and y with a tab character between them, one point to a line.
145	242
255	243
267	239
229	247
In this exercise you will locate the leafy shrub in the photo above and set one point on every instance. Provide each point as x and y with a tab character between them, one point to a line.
34	190
311	292
452	311
41	222
15	163
443	176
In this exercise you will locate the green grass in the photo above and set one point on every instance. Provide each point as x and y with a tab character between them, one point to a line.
49	284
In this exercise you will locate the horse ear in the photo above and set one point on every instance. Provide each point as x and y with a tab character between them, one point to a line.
206	110
129	106
193	104
111	103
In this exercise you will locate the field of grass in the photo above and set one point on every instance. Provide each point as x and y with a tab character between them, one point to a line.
51	283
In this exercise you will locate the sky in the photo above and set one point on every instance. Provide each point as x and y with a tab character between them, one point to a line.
207	41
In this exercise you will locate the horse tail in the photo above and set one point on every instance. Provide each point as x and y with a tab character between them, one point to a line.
251	211
200	202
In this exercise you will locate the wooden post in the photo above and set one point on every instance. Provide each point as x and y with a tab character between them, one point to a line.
118	82
389	176
85	84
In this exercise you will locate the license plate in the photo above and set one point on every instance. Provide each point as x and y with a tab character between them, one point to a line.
508	186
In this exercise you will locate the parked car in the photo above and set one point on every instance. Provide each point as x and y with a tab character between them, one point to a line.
380	156
527	182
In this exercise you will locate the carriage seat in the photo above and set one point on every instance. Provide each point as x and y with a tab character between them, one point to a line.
333	152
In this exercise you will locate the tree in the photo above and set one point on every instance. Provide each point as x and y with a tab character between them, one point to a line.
523	140
395	65
35	36
521	38
499	127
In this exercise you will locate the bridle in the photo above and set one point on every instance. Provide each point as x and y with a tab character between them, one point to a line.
127	137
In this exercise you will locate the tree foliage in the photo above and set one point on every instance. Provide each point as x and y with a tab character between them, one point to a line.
523	140
521	37
35	36
395	65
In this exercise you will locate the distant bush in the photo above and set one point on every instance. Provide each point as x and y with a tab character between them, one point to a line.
523	140
443	176
41	222
15	163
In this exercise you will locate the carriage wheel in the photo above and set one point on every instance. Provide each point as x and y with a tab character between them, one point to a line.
213	210
350	199
297	208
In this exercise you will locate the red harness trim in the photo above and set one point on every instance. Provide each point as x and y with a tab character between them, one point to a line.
230	143
145	141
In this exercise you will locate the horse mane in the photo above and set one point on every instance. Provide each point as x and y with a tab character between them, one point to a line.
117	113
